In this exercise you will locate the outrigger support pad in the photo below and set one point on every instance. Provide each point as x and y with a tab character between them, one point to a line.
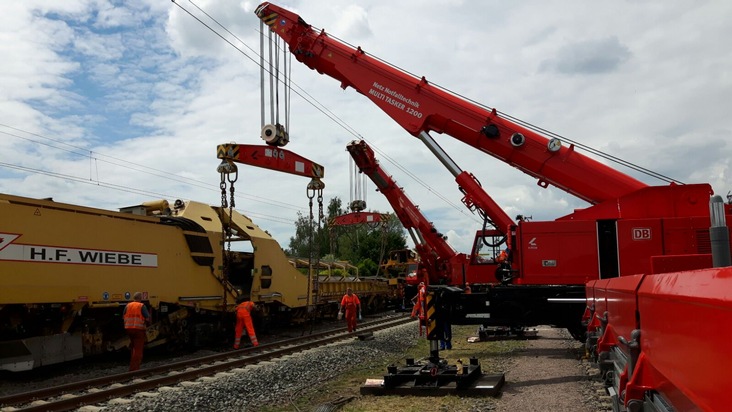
427	378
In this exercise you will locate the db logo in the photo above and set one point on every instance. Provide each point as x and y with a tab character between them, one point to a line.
641	233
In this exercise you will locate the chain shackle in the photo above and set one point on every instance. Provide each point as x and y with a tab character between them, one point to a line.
222	185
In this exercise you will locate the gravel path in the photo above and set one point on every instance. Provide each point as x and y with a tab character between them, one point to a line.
547	375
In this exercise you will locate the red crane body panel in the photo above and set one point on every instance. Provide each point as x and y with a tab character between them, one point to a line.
555	253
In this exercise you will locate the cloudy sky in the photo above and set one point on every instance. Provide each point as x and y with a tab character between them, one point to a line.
112	103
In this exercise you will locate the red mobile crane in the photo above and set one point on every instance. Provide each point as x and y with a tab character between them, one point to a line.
630	228
511	305
628	223
629	220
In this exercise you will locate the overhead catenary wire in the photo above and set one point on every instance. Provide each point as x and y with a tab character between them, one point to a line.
95	157
539	130
319	106
124	188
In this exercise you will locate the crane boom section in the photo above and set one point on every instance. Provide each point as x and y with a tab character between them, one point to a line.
408	213
419	106
437	255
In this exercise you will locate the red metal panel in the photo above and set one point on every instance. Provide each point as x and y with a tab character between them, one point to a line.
589	304
685	319
687	236
621	307
590	292
357	218
654	201
600	292
599	303
558	252
638	240
678	263
271	157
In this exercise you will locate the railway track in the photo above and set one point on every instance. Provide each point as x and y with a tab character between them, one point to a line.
98	390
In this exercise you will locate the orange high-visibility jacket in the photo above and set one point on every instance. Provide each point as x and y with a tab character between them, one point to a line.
133	317
502	257
245	308
350	302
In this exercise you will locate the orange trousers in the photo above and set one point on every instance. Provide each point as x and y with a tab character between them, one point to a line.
351	319
418	312
137	342
241	322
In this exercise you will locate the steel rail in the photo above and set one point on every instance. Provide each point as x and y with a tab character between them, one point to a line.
174	373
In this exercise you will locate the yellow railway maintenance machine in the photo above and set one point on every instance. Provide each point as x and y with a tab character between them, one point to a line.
67	271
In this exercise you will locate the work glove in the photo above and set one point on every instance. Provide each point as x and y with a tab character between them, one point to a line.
340	315
359	315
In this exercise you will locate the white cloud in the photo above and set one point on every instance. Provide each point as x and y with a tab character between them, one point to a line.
146	83
352	23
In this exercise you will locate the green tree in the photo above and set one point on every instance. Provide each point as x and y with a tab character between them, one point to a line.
353	243
300	243
367	267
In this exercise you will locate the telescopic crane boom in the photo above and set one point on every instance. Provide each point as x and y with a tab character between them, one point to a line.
419	106
437	256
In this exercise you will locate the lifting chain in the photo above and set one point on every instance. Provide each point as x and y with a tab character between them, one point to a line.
384	239
232	204
226	169
314	187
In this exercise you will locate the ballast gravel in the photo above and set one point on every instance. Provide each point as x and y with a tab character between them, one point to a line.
274	383
541	375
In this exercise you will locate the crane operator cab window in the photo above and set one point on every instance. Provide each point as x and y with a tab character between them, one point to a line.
487	248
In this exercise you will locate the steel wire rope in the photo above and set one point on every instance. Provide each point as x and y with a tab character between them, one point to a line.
532	127
319	106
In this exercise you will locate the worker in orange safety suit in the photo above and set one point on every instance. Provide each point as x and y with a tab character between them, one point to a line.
503	256
418	301
351	304
503	271
419	305
244	319
136	318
